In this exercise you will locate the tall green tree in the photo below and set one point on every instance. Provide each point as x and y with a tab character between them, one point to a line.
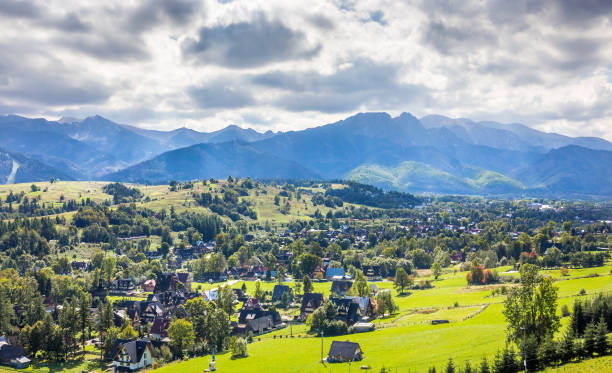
308	288
181	335
402	280
360	285
531	308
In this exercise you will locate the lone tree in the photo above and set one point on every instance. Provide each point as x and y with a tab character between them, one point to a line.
307	284
436	270
531	308
402	280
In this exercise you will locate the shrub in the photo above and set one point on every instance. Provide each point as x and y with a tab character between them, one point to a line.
564	271
239	348
565	311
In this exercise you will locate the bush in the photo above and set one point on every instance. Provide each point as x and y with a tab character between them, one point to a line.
239	347
565	311
564	271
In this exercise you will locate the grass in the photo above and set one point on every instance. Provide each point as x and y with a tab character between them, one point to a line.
597	365
406	341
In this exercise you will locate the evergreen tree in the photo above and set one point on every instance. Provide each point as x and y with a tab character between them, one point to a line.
589	339
484	366
567	348
450	367
601	337
468	368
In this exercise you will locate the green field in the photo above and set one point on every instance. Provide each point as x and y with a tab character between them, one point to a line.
406	341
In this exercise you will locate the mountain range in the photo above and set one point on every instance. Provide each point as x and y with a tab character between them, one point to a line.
433	154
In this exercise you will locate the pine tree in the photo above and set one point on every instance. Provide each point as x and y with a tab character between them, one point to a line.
567	348
468	368
589	339
601	337
484	366
450	367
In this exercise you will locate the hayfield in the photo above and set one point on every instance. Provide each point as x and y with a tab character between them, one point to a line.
405	341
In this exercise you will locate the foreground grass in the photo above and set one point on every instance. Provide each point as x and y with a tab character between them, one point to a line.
597	365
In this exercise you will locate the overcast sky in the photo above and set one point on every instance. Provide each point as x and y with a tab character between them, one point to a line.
285	65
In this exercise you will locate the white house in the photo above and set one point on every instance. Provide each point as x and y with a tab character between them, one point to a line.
134	354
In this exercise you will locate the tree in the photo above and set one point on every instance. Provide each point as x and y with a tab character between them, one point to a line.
531	308
218	328
198	310
127	332
385	303
601	336
84	316
308	288
259	293
239	347
589	339
436	270
308	262
181	335
106	317
112	334
7	312
226	298
450	366
402	280
360	285
484	365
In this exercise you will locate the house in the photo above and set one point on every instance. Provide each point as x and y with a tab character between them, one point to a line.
251	310
260	324
348	311
159	329
362	327
334	273
79	265
344	351
372	273
341	287
166	281
122	286
185	279
13	355
278	292
310	302
367	305
148	285
133	354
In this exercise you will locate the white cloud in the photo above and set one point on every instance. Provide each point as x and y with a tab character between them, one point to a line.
537	62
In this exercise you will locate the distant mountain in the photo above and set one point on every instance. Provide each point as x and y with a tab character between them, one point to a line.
90	147
203	161
513	136
434	154
17	168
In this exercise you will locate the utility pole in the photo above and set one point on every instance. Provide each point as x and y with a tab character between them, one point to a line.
321	345
525	348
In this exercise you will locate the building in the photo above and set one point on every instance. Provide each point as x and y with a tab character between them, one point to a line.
122	286
148	285
344	351
310	302
134	354
159	329
278	292
341	287
334	273
13	355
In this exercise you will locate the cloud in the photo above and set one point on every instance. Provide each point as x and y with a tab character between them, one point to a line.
249	44
362	82
19	8
220	95
151	13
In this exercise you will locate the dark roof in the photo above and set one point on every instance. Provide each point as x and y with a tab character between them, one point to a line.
278	292
260	324
311	301
183	277
134	347
348	311
160	325
341	286
344	351
9	352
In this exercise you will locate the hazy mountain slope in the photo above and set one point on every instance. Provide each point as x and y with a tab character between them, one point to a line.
17	168
420	177
571	170
513	136
203	161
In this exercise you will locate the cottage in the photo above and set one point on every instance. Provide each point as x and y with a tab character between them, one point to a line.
334	273
278	292
167	281
341	287
367	305
260	324
348	311
185	279
79	265
122	286
310	302
134	354
148	285
159	329
340	352
13	355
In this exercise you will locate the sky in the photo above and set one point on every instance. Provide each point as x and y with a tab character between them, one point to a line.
289	65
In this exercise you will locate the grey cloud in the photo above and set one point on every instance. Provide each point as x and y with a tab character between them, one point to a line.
248	44
20	8
70	23
220	95
152	12
321	21
107	46
364	82
52	84
448	39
